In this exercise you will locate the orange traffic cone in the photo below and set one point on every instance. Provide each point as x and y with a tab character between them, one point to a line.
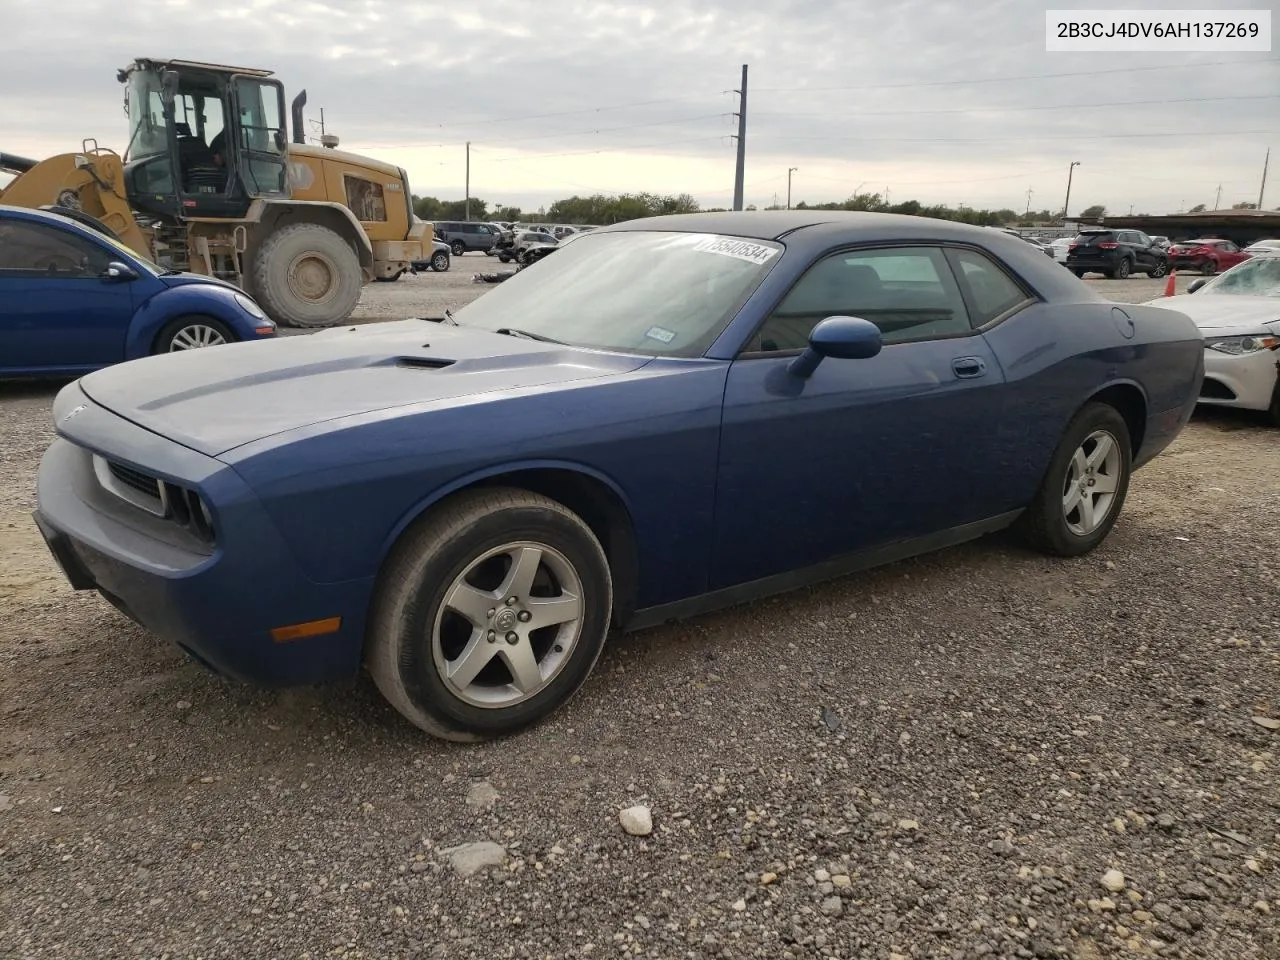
1170	287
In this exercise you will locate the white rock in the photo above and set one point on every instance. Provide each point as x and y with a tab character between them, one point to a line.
1113	880
822	876
739	905
637	821
471	858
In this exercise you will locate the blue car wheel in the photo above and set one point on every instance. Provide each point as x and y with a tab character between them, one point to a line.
192	333
489	614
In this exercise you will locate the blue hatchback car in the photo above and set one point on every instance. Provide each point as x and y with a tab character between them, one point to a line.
665	417
74	299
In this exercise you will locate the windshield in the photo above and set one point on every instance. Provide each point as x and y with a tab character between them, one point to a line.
148	134
1259	277
133	255
659	293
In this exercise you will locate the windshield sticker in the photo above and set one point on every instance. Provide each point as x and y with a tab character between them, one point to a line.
738	249
661	334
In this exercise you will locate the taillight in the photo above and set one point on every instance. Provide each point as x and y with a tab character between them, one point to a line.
1109	245
1072	247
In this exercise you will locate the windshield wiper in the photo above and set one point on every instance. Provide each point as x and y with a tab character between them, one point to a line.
513	332
448	315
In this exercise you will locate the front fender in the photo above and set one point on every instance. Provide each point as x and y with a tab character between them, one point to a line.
488	473
169	303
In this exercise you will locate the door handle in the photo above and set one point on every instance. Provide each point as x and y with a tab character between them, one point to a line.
969	367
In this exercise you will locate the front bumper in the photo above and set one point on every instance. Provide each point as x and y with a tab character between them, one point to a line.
1247	381
218	602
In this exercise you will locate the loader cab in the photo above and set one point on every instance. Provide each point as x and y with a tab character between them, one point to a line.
204	140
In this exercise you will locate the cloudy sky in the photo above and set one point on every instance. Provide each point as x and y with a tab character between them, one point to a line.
934	100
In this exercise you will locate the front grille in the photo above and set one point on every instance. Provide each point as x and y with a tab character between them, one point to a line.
135	479
160	498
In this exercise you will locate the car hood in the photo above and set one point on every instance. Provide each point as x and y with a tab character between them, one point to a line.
185	279
1215	313
217	399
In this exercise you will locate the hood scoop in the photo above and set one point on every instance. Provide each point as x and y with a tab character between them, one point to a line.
423	363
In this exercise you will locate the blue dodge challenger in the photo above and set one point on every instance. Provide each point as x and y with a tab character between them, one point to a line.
667	416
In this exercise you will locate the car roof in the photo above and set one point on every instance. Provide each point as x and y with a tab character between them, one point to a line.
45	216
776	224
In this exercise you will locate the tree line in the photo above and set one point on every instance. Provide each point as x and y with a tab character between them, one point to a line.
601	209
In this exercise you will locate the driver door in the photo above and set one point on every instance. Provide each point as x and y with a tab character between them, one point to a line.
863	453
58	313
262	145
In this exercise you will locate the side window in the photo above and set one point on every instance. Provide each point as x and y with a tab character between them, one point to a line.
36	250
908	292
991	290
1230	247
365	199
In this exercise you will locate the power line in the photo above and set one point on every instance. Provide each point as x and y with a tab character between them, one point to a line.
1030	76
1002	109
573	113
583	153
547	136
1073	138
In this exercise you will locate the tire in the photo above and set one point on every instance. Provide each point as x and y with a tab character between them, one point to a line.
414	634
1122	270
1046	523
192	333
327	276
1160	269
1078	273
1273	411
504	258
440	262
458	248
391	279
1208	268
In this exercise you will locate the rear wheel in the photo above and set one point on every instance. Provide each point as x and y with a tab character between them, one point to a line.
1209	268
1122	270
305	275
1077	272
1084	487
192	333
391	279
1160	269
458	248
489	614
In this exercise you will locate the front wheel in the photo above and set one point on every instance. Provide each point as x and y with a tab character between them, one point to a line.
1122	270
1084	487
305	275
440	262
489	614
192	333
1160	269
1208	268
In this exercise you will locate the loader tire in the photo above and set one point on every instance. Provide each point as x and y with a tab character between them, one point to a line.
305	275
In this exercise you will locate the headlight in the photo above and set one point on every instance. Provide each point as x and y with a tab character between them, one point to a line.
249	307
1240	346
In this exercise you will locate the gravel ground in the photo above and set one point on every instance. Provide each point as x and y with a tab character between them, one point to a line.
939	759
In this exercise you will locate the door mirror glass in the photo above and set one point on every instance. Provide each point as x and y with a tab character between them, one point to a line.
842	338
1197	284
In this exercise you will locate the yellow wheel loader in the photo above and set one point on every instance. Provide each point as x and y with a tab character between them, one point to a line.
210	183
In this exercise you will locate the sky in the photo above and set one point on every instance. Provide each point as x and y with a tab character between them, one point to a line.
943	102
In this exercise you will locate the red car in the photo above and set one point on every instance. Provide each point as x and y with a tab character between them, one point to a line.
1208	256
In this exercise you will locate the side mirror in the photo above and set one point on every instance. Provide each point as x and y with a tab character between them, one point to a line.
119	272
1197	284
844	338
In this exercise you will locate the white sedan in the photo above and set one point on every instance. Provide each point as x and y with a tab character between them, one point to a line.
1239	314
1060	248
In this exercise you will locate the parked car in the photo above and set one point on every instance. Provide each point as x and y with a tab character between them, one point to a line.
672	415
1060	247
1238	313
73	299
438	261
1161	242
1116	254
526	241
1262	246
463	236
1207	256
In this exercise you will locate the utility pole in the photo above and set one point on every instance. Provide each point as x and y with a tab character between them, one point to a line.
1263	189
467	211
1028	213
741	166
1217	199
886	196
322	121
1131	209
1066	204
790	171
